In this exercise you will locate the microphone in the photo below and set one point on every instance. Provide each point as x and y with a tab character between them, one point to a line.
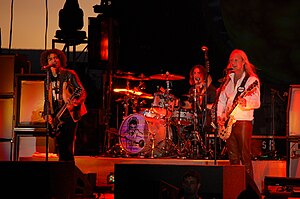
204	48
47	66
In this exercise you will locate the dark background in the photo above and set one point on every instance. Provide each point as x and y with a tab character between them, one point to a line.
153	37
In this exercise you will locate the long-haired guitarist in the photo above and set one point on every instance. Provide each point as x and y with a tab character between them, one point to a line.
64	102
239	96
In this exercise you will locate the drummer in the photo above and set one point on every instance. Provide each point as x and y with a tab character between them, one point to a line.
197	77
203	94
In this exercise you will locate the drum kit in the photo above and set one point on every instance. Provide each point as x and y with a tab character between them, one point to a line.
165	129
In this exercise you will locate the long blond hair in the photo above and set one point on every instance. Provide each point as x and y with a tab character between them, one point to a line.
249	67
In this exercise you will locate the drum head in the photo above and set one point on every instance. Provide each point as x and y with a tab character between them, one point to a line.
134	133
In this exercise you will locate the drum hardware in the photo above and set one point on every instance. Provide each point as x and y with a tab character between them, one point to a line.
116	150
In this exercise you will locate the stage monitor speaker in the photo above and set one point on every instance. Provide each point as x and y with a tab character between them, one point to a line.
216	181
37	179
293	111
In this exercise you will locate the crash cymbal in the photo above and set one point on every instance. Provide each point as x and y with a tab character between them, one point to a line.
146	96
128	77
167	77
125	91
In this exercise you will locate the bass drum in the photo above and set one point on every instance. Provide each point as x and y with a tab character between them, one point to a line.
137	133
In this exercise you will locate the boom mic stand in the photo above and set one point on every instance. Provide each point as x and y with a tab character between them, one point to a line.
195	134
204	102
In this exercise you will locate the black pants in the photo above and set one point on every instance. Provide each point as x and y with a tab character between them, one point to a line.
65	141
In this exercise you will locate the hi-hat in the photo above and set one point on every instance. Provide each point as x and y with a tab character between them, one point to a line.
167	77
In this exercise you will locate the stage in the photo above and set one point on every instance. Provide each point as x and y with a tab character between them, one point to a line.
104	166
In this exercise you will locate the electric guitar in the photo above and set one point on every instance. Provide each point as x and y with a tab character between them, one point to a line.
54	129
225	131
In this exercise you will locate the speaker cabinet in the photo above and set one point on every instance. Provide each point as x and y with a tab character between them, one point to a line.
30	100
216	181
293	131
293	111
7	64
6	115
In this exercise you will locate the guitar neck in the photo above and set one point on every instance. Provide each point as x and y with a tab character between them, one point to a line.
242	95
63	108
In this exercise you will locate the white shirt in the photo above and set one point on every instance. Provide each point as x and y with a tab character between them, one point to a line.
227	96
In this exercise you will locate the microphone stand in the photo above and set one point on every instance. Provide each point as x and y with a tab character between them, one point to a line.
195	133
47	108
204	102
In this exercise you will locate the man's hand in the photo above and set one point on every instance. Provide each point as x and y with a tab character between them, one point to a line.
242	102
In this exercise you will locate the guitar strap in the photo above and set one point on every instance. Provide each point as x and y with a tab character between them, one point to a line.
241	88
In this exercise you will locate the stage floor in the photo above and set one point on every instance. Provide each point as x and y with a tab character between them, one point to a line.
103	166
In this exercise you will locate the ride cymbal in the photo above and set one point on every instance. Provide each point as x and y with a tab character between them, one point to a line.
167	77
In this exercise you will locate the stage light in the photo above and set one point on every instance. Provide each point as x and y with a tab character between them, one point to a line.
71	21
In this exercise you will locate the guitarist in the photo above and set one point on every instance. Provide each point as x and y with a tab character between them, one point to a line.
242	75
64	90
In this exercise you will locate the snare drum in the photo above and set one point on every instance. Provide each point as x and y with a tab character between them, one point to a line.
183	117
137	132
163	102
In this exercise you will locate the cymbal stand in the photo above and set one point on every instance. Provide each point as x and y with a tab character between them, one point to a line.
126	100
168	143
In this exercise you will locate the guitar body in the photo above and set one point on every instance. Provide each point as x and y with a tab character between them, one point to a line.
54	128
225	131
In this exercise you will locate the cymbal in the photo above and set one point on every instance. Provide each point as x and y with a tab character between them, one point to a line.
142	77
140	94
167	77
128	77
146	96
